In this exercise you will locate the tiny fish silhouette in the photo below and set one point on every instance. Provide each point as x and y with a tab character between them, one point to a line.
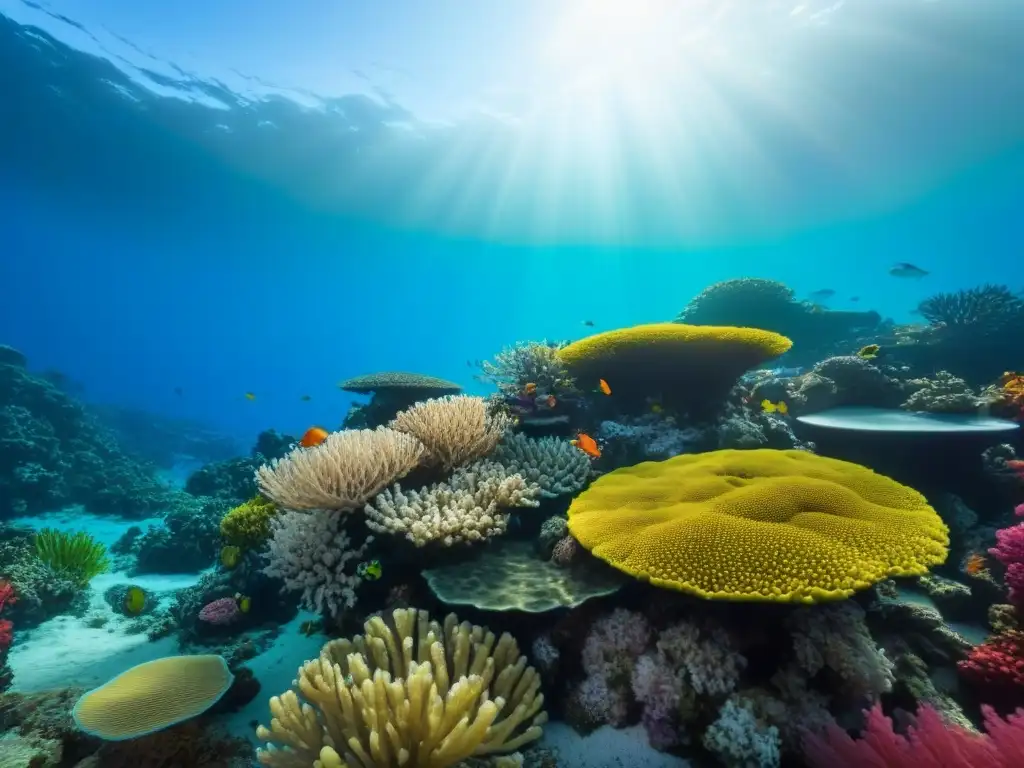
305	398
906	269
588	323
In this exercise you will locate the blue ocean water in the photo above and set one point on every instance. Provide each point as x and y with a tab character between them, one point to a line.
214	213
202	225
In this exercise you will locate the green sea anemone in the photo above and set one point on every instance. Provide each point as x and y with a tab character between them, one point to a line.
76	555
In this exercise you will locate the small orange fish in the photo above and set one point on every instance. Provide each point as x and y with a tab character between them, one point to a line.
552	401
313	437
530	389
975	564
604	386
588	445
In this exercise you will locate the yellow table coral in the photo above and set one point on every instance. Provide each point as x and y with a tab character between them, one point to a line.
766	525
685	363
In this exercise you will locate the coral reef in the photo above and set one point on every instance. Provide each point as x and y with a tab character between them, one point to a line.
391	392
54	452
415	693
691	368
234	480
315	555
471	506
942	393
509	576
554	466
758	525
186	540
343	472
455	430
930	743
247	526
525	363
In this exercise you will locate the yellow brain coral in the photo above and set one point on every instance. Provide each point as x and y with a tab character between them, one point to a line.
767	525
671	359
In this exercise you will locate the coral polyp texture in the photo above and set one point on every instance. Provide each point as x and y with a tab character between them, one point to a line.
413	693
762	525
248	525
152	696
343	472
556	466
687	364
456	429
471	506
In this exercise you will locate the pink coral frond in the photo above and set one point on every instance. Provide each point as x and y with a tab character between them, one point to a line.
930	744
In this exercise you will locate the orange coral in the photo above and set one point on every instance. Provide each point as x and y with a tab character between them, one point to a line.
975	564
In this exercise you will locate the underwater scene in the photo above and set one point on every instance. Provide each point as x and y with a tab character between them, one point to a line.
580	384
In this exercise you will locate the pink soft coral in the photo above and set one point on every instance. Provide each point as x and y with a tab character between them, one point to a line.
1009	550
930	744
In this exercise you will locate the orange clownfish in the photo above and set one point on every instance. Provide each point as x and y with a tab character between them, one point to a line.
588	445
604	386
313	437
530	389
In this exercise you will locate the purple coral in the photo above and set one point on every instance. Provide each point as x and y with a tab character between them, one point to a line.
660	689
221	612
1009	550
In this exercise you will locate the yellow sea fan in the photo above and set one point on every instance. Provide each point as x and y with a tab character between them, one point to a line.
765	525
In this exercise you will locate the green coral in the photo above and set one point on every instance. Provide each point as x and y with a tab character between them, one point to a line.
247	526
77	555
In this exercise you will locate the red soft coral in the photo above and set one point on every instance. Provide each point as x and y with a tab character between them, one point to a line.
6	628
930	744
996	668
7	596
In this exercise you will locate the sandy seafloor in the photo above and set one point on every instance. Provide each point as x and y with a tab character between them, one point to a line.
65	651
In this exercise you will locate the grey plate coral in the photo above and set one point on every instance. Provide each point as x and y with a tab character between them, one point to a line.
512	577
866	419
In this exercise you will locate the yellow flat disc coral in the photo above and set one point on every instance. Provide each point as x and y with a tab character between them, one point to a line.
765	525
688	363
152	696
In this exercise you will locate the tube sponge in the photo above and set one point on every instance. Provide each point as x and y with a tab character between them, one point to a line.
152	696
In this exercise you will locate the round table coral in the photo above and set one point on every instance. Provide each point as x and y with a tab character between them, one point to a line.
687	366
761	525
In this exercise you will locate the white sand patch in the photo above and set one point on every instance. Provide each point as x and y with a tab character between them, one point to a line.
73	651
606	747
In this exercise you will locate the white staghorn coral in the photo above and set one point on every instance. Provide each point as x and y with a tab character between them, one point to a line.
469	507
343	472
313	554
455	429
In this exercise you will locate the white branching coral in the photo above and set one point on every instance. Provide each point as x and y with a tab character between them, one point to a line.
740	740
835	636
471	506
555	465
312	554
343	472
455	429
525	363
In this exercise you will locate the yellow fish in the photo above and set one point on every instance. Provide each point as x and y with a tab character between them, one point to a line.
870	352
134	601
309	628
780	407
250	395
370	571
229	556
244	602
